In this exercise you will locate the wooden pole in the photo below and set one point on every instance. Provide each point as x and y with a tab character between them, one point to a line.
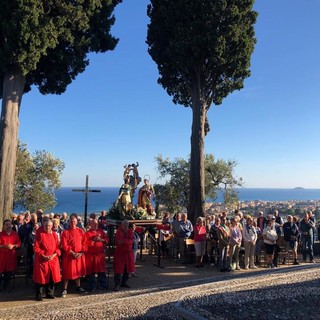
86	192
86	201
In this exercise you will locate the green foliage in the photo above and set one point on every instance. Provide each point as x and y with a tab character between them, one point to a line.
291	212
203	50
205	41
37	177
48	41
300	212
231	198
115	213
174	193
219	176
136	214
170	197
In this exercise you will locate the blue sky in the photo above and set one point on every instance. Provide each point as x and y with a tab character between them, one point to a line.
115	113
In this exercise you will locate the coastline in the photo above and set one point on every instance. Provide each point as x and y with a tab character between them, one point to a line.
73	202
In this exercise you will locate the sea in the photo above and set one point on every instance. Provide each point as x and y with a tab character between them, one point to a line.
74	202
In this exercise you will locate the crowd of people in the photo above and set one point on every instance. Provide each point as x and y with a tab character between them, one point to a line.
221	239
58	248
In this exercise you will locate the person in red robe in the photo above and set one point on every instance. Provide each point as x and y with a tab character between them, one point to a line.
73	259
123	256
9	241
95	243
46	270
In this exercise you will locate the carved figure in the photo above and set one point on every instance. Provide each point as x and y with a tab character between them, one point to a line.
145	195
134	178
124	199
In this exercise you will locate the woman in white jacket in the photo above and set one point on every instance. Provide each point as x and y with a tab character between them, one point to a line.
249	235
270	238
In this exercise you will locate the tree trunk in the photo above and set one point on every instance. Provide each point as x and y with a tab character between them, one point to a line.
13	86
197	172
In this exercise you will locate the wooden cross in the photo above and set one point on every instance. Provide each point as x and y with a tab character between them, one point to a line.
86	191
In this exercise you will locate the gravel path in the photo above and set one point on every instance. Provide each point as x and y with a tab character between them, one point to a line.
268	297
262	294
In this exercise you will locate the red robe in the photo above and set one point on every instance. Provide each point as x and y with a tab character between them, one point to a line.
95	251
8	258
123	255
72	268
46	244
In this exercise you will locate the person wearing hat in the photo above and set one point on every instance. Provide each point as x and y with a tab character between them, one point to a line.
291	235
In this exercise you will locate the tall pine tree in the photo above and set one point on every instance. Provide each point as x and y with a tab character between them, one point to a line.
44	44
203	50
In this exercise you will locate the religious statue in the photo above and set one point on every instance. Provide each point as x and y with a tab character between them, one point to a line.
124	199
145	195
124	203
134	178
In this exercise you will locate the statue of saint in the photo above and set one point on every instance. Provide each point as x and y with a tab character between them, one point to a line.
134	178
124	199
145	195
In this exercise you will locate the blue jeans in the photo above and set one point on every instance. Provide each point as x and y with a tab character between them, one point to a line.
102	280
307	246
223	255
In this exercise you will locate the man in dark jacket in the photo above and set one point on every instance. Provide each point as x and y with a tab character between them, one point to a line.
261	221
291	234
186	228
307	229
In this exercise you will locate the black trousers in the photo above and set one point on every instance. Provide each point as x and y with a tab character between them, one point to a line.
121	279
49	287
5	278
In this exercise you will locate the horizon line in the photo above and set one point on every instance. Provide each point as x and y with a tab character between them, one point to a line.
301	188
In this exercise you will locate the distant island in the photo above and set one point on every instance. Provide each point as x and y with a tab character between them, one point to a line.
298	188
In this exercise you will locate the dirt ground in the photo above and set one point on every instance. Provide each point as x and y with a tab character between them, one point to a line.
149	273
